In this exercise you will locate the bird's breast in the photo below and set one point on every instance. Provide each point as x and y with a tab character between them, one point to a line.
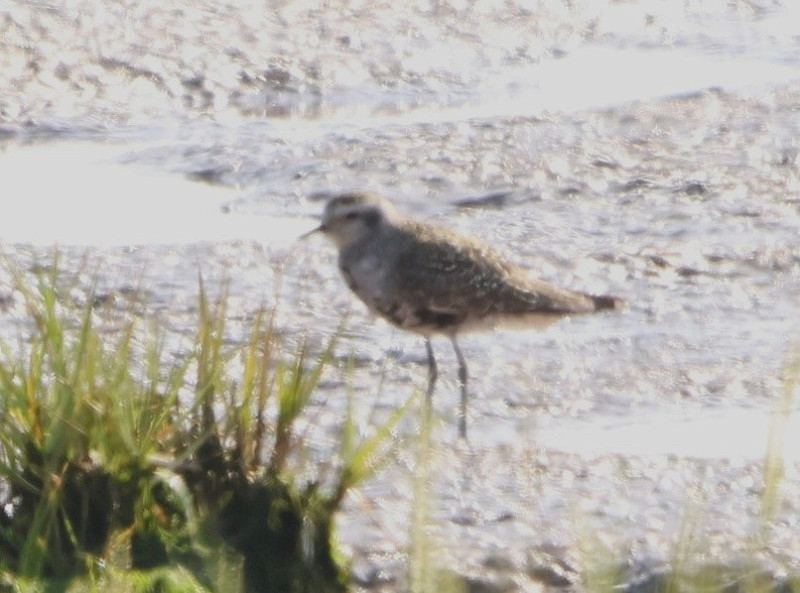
365	276
369	278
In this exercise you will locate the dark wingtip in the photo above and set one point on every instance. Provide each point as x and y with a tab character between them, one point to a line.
607	302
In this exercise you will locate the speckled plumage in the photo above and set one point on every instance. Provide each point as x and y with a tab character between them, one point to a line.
428	279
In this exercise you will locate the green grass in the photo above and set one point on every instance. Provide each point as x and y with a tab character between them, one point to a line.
123	467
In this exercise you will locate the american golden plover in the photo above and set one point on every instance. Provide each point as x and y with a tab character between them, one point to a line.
430	280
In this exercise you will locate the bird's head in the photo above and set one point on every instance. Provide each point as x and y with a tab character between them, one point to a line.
350	217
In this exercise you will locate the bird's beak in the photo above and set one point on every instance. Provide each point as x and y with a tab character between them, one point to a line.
320	229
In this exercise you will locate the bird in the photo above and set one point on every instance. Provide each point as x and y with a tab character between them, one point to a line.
430	280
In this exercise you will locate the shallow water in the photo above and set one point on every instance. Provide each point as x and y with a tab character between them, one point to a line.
635	149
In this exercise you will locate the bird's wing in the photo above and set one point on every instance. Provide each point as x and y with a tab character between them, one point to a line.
449	274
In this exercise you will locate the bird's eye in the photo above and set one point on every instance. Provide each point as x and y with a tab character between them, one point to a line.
351	215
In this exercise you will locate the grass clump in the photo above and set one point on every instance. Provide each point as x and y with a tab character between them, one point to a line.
120	469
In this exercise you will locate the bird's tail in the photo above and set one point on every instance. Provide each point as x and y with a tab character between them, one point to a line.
607	302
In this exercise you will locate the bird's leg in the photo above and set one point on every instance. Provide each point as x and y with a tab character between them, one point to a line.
462	379
432	370
432	374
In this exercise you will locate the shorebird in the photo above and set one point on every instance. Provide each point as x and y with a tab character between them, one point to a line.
430	280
